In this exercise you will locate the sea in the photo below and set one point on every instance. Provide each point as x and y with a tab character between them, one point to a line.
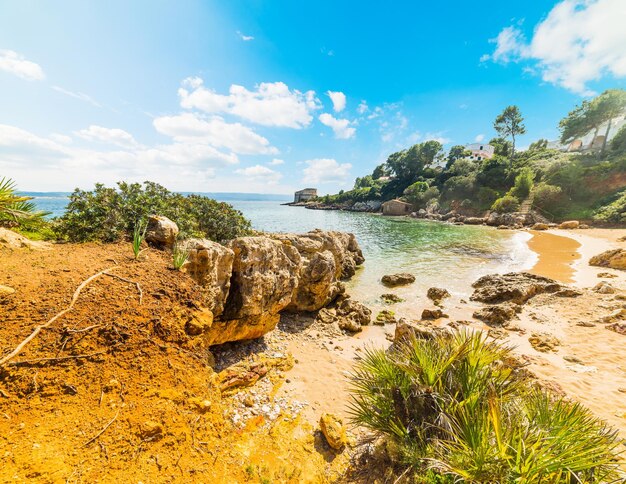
438	254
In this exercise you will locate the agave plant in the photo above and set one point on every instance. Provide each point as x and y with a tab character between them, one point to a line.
13	207
457	406
179	256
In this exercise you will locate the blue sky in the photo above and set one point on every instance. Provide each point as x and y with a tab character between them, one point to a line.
270	96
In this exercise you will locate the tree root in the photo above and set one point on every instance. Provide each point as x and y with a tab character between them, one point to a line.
38	329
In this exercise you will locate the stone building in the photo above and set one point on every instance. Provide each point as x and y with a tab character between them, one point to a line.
305	195
396	207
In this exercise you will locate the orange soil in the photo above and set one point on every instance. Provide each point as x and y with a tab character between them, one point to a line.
116	391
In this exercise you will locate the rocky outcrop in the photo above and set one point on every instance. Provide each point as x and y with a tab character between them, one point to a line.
517	287
326	259
13	240
615	259
210	265
251	280
367	206
540	226
161	232
408	330
264	277
402	279
433	314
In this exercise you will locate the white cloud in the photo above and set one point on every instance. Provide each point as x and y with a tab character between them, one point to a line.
341	127
339	100
78	95
260	173
214	131
245	38
479	138
438	136
270	104
16	64
579	41
277	161
44	162
113	136
325	170
362	108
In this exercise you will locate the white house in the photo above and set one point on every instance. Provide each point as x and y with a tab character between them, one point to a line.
480	151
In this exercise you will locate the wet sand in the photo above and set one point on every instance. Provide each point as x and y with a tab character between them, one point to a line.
556	255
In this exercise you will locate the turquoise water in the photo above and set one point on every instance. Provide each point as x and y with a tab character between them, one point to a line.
437	254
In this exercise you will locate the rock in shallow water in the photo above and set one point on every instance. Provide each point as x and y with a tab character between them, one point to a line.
400	279
517	287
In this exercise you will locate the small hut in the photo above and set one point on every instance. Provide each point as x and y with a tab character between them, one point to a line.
396	207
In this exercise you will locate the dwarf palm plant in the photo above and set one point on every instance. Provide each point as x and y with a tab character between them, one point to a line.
13	207
458	406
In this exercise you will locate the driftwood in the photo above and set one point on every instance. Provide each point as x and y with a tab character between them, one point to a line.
38	329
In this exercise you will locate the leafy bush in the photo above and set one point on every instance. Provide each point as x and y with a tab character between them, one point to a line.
550	199
524	182
614	212
109	214
505	204
456	405
618	143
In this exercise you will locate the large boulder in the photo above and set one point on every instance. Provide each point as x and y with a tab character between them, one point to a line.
402	279
437	294
517	287
333	430
496	315
615	259
161	232
210	265
569	224
264	277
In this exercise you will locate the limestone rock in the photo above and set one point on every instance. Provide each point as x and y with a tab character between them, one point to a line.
199	322
604	288
407	330
540	226
333	430
400	279
385	317
151	430
6	290
606	275
436	294
517	287
619	328
13	240
326	257
210	265
433	314
161	232
475	220
352	315
390	298
264	277
570	224
568	292
495	315
615	259
544	342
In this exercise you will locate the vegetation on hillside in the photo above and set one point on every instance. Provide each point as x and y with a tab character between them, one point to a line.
112	214
456	409
563	185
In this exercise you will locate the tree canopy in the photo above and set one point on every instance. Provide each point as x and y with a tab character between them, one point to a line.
510	123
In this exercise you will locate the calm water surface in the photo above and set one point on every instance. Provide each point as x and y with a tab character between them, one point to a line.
437	254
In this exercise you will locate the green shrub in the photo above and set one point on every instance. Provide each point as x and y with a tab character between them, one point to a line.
618	143
109	214
139	234
457	405
179	256
550	200
505	204
524	182
614	212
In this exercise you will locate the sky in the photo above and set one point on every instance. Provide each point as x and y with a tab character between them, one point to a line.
270	96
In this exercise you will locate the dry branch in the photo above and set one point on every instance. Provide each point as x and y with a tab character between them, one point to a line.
130	282
37	330
102	431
